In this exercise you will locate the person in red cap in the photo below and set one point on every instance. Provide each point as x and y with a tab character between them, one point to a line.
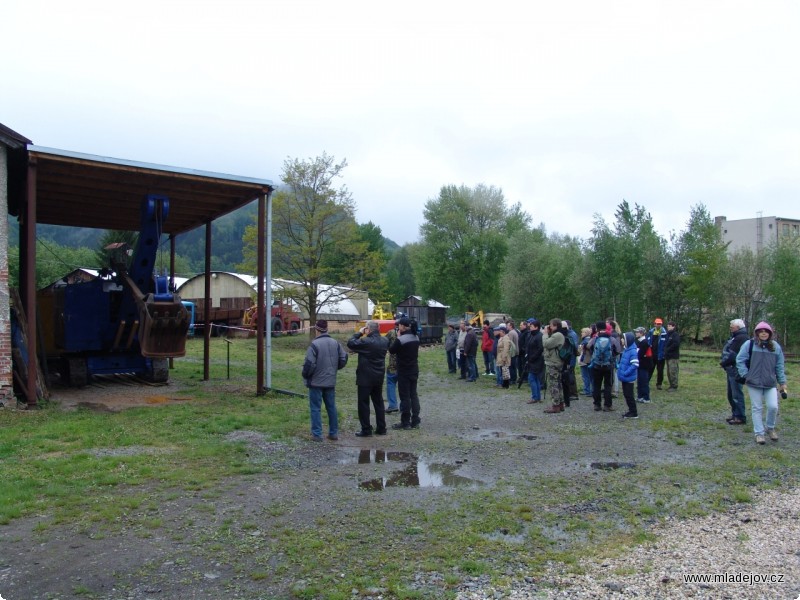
657	338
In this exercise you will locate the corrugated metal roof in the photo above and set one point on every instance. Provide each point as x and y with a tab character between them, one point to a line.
85	190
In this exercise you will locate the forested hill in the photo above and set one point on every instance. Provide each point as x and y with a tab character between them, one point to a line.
226	235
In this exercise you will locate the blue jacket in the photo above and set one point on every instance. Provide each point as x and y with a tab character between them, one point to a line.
661	342
628	369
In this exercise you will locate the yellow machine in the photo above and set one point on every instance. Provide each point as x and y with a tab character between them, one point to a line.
382	312
474	318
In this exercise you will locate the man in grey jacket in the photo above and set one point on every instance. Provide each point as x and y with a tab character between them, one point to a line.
324	357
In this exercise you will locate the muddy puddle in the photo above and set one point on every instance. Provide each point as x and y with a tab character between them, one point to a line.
487	434
412	471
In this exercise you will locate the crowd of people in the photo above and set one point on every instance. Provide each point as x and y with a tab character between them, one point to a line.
544	357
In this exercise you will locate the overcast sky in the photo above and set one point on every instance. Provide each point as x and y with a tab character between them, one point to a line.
568	107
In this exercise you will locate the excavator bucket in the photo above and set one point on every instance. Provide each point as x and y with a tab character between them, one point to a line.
163	327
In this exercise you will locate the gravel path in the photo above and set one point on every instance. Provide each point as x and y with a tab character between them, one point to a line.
761	539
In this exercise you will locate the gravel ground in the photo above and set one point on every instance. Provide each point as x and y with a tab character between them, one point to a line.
472	434
760	541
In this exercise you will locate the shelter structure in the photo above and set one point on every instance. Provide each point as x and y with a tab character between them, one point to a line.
12	146
62	187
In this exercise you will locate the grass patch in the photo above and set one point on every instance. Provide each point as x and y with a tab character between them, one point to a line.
106	471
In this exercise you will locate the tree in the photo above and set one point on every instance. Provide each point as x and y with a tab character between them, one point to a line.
313	222
783	288
541	276
703	255
626	266
104	256
464	243
400	281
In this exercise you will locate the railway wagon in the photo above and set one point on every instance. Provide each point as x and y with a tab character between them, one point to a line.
430	315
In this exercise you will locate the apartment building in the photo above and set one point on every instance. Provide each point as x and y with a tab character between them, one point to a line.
756	233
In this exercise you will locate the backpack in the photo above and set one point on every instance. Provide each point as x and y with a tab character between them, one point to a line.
567	350
601	355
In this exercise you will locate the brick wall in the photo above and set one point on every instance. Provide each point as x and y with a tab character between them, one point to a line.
6	389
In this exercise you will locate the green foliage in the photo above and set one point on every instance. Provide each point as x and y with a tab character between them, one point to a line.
541	275
315	237
400	280
464	243
783	288
703	255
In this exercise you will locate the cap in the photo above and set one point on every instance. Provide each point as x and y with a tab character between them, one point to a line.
658	321
405	321
321	326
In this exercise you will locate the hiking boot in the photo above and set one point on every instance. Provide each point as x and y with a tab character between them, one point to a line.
773	435
556	408
760	439
333	437
401	426
597	408
607	409
630	415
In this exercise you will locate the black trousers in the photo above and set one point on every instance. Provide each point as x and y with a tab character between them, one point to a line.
601	381
374	392
409	400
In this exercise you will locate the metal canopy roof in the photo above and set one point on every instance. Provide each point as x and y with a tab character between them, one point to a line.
83	190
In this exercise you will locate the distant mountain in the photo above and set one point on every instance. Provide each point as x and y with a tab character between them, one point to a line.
226	236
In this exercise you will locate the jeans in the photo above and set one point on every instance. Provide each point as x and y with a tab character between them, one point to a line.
586	375
659	372
409	400
462	364
391	390
643	384
488	361
536	386
472	367
735	397
316	396
513	369
759	396
451	360
498	374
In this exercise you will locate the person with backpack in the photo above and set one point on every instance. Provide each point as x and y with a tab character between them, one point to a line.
628	372
567	355
645	365
602	366
552	340
727	361
760	363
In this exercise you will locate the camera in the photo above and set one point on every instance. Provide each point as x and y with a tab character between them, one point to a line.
784	395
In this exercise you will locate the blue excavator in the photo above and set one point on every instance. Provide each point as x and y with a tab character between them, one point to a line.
125	321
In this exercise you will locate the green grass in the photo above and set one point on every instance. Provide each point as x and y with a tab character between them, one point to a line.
65	465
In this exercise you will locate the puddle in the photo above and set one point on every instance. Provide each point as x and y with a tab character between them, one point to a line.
501	435
610	466
416	472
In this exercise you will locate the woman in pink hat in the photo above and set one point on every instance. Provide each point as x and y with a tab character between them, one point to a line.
760	364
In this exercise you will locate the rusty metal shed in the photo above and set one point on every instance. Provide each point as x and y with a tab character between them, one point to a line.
60	187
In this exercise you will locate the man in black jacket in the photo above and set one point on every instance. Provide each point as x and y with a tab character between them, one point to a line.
534	354
406	347
728	362
371	348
